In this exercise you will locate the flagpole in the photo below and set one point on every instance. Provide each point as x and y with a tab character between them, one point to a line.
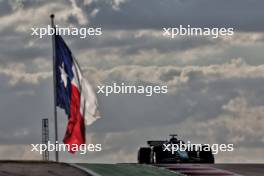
54	86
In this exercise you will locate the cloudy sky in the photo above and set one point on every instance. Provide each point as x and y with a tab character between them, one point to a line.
216	86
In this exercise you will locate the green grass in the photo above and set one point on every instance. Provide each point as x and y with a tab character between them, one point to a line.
127	170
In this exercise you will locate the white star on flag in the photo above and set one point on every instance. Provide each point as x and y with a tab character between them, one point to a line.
63	75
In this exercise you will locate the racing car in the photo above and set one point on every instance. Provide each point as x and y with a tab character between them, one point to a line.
168	152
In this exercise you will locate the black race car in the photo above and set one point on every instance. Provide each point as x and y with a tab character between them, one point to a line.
170	152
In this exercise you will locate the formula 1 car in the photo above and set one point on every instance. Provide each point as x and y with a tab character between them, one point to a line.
169	152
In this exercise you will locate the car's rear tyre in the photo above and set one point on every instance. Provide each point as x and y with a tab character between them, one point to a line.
155	158
156	155
206	157
144	155
192	154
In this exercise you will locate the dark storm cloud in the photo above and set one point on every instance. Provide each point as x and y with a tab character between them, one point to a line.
22	54
5	8
243	15
22	47
14	43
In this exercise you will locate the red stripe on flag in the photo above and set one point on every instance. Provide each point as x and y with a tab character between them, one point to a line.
75	132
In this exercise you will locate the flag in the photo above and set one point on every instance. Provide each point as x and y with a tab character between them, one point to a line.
73	94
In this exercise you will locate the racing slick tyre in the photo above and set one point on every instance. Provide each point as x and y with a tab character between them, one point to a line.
192	154
156	155
144	155
206	157
155	158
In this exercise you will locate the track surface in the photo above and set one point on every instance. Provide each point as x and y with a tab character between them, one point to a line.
216	169
33	168
243	169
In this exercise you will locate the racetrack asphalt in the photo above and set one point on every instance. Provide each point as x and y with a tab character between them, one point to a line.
216	169
38	168
242	169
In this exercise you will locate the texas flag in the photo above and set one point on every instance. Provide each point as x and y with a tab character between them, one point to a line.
73	94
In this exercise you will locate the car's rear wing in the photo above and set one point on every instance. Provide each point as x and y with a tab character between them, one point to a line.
156	143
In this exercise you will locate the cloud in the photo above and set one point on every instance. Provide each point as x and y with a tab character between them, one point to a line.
17	74
116	4
215	85
77	11
174	76
240	124
120	14
167	13
19	152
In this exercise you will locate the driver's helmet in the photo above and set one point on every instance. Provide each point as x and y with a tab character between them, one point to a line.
174	140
